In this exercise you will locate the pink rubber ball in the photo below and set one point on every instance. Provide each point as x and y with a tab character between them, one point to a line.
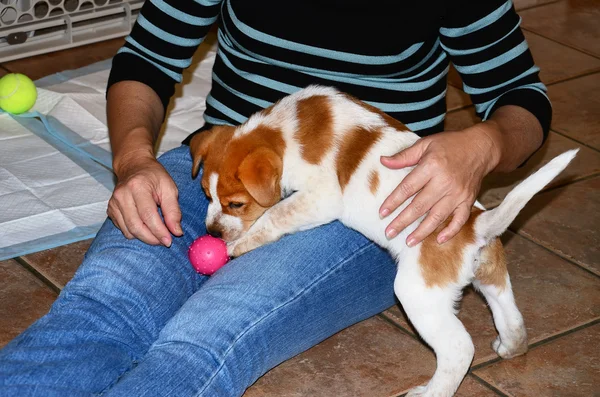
208	254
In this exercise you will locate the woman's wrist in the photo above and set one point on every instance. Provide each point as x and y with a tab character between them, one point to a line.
137	147
487	138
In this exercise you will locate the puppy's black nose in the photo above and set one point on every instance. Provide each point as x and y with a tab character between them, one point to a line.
214	233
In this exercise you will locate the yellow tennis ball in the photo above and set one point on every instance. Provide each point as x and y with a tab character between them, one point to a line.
17	93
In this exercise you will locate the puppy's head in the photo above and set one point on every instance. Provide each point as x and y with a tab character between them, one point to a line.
241	178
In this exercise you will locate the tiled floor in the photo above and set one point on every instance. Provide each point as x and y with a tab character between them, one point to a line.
553	249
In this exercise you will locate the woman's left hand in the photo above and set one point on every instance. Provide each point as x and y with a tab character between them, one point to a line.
446	180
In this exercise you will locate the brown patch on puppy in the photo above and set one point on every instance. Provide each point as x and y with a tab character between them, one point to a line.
202	144
315	128
249	170
386	117
492	268
373	181
355	145
260	173
440	264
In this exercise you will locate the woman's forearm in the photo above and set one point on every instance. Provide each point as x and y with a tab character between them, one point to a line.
135	114
516	134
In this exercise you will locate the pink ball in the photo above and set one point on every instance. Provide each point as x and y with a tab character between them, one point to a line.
208	254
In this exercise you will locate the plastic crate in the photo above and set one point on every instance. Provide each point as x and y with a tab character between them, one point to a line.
32	27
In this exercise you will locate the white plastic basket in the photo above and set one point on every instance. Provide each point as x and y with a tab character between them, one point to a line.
32	27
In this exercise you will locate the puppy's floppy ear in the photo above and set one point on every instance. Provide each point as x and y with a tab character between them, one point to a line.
199	148
202	142
260	172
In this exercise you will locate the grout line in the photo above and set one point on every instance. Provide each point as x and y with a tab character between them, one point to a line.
565	258
574	140
565	333
562	185
486	363
536	6
537	344
37	274
488	385
459	109
558	42
577	76
499	359
401	328
489	207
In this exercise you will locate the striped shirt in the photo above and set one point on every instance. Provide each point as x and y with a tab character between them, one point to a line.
391	54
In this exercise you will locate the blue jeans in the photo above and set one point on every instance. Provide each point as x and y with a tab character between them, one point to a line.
137	320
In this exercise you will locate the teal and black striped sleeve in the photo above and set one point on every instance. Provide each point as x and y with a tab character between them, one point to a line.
486	45
162	43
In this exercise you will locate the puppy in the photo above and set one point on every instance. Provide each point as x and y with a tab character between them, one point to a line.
314	157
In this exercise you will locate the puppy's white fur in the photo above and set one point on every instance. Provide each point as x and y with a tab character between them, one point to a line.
318	199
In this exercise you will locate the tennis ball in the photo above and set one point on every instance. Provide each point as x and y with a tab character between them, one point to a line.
17	93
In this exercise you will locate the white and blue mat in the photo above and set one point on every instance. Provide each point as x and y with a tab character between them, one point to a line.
55	161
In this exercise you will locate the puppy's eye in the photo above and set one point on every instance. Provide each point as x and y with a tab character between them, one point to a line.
233	205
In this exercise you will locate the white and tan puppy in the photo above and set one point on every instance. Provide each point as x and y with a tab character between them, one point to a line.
314	157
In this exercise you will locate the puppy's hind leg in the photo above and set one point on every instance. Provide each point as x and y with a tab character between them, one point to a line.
494	283
431	311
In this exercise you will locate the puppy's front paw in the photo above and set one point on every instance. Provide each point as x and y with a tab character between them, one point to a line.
510	350
235	249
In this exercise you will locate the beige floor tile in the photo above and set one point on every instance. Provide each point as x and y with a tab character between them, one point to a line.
521	4
58	265
461	119
567	366
370	359
497	185
553	295
576	109
456	99
566	220
572	22
558	62
470	387
23	299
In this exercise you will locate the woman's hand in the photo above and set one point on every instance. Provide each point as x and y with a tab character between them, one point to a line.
144	185
446	180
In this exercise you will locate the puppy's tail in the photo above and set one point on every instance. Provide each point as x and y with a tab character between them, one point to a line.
493	223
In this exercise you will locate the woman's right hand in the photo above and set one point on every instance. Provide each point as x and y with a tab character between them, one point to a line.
143	185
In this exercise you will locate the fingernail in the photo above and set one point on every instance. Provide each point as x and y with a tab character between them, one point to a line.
442	239
166	242
179	229
384	212
411	241
391	233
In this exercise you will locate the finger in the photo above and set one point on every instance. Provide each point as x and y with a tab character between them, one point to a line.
134	223
437	215
147	211
416	209
169	205
459	218
117	219
409	186
406	158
